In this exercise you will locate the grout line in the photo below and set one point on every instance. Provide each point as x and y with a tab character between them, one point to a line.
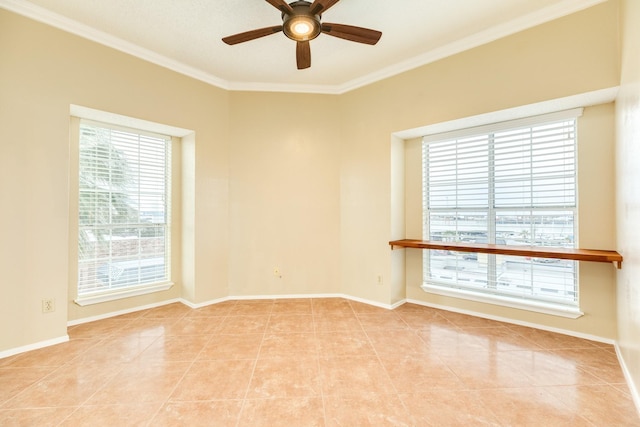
253	370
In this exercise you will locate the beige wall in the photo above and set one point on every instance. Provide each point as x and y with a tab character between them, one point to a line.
284	183
42	72
628	192
298	182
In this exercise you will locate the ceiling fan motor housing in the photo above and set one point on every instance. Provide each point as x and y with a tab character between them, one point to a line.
301	25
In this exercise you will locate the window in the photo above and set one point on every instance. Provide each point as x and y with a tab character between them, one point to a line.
124	211
510	183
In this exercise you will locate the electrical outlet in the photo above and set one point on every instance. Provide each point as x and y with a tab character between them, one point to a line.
277	273
48	305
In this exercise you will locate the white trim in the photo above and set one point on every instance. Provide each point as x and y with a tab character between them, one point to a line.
284	296
506	125
63	23
481	38
126	121
505	301
596	97
514	321
126	293
521	23
121	312
34	346
203	304
635	395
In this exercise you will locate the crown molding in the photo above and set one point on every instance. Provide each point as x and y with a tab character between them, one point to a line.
564	8
40	14
489	35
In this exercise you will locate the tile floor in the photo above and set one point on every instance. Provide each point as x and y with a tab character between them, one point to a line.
313	362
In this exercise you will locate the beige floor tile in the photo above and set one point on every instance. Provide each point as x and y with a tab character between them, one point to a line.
290	323
347	343
601	405
424	320
279	377
599	362
466	321
331	306
214	379
307	362
222	413
384	321
457	408
293	306
54	356
419	373
143	381
70	385
292	345
401	341
240	346
247	324
181	348
16	380
36	417
451	342
112	415
375	410
551	340
501	338
100	328
188	325
353	376
290	412
531	406
336	322
175	310
485	370
145	327
116	350
544	368
252	308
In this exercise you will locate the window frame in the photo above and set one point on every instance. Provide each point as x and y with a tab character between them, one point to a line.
491	211
176	134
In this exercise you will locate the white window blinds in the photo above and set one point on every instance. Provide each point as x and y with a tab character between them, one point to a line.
124	208
509	183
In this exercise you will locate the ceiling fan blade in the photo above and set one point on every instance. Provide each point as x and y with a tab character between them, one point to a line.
251	35
282	6
354	34
320	6
303	55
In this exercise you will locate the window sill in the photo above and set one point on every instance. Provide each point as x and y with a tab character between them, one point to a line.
127	293
538	307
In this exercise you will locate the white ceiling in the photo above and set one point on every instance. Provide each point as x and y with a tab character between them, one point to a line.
185	35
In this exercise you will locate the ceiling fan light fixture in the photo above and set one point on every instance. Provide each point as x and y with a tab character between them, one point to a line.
301	27
301	22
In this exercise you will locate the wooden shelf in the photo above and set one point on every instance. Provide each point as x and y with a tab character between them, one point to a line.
594	255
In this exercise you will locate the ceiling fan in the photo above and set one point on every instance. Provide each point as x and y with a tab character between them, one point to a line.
302	22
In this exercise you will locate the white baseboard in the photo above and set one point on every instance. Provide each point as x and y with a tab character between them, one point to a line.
34	346
121	312
291	296
203	304
515	322
635	395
